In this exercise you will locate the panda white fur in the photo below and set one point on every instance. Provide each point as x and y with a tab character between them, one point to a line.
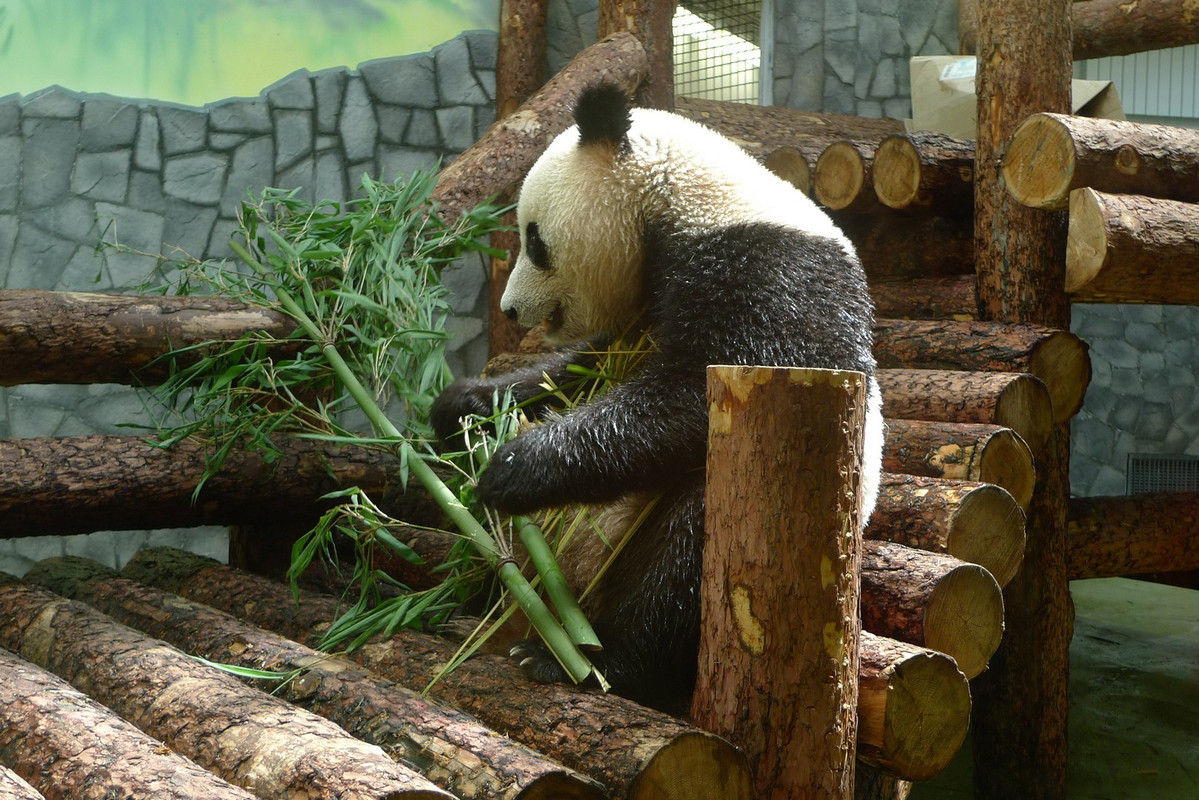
642	217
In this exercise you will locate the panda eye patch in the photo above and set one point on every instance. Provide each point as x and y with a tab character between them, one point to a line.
535	247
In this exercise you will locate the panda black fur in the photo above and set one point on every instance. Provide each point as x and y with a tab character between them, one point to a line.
634	217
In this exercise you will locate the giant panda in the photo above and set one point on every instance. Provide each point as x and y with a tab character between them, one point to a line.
633	218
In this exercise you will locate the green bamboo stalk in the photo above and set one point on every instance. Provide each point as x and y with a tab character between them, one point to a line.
556	589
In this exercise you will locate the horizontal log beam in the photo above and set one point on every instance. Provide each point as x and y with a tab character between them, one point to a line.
894	245
842	178
945	297
923	172
1132	534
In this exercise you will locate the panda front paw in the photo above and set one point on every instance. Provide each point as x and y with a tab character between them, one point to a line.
460	399
537	662
513	481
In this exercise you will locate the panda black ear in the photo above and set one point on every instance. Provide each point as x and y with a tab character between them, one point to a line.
602	113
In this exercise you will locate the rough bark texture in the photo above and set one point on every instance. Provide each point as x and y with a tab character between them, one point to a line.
78	484
502	156
636	752
14	787
77	337
1059	358
976	522
443	744
1104	28
1009	399
651	22
961	451
932	600
915	706
1024	67
945	297
761	637
69	746
1052	154
842	178
925	172
1132	249
910	246
1132	534
246	737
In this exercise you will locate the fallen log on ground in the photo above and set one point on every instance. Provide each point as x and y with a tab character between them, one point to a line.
1052	154
246	737
1132	249
1058	358
1010	399
68	745
1132	534
976	522
446	746
925	172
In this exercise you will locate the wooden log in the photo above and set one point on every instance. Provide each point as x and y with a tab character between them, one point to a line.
842	178
70	746
445	745
932	600
961	451
914	708
1132	249
925	172
942	297
1103	28
79	337
1052	154
651	21
78	484
637	753
873	783
248	738
764	538
791	165
502	156
14	787
910	246
1059	358
976	522
1132	534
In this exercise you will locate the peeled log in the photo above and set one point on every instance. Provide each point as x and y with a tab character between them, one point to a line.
638	753
1010	399
914	708
976	522
200	712
1052	154
841	180
932	600
925	171
70	746
943	297
1132	534
1132	249
961	451
1059	358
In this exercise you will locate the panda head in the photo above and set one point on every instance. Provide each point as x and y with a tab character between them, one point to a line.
580	218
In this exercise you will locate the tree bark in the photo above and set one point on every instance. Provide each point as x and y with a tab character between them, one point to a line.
1009	399
1103	28
1131	249
946	297
914	708
925	172
842	179
1050	155
961	451
70	746
636	752
1132	534
976	522
78	337
502	156
651	21
443	744
910	246
761	638
246	737
1057	357
932	600
14	787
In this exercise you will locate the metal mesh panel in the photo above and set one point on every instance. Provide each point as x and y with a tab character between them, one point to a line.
715	52
1151	473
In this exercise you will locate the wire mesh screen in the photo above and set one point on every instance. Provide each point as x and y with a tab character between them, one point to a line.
1152	473
716	53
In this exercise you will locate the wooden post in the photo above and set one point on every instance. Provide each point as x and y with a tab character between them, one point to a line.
652	22
778	659
1024	67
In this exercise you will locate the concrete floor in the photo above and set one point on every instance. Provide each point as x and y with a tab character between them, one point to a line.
1134	697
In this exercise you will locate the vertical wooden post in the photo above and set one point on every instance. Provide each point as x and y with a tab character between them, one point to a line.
652	22
1024	66
778	659
519	71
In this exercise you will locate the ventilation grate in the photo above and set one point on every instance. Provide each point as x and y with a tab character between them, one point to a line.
1153	473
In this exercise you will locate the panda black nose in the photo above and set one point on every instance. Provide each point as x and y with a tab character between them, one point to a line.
510	313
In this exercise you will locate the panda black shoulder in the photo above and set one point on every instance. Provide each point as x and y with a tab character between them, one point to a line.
603	115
